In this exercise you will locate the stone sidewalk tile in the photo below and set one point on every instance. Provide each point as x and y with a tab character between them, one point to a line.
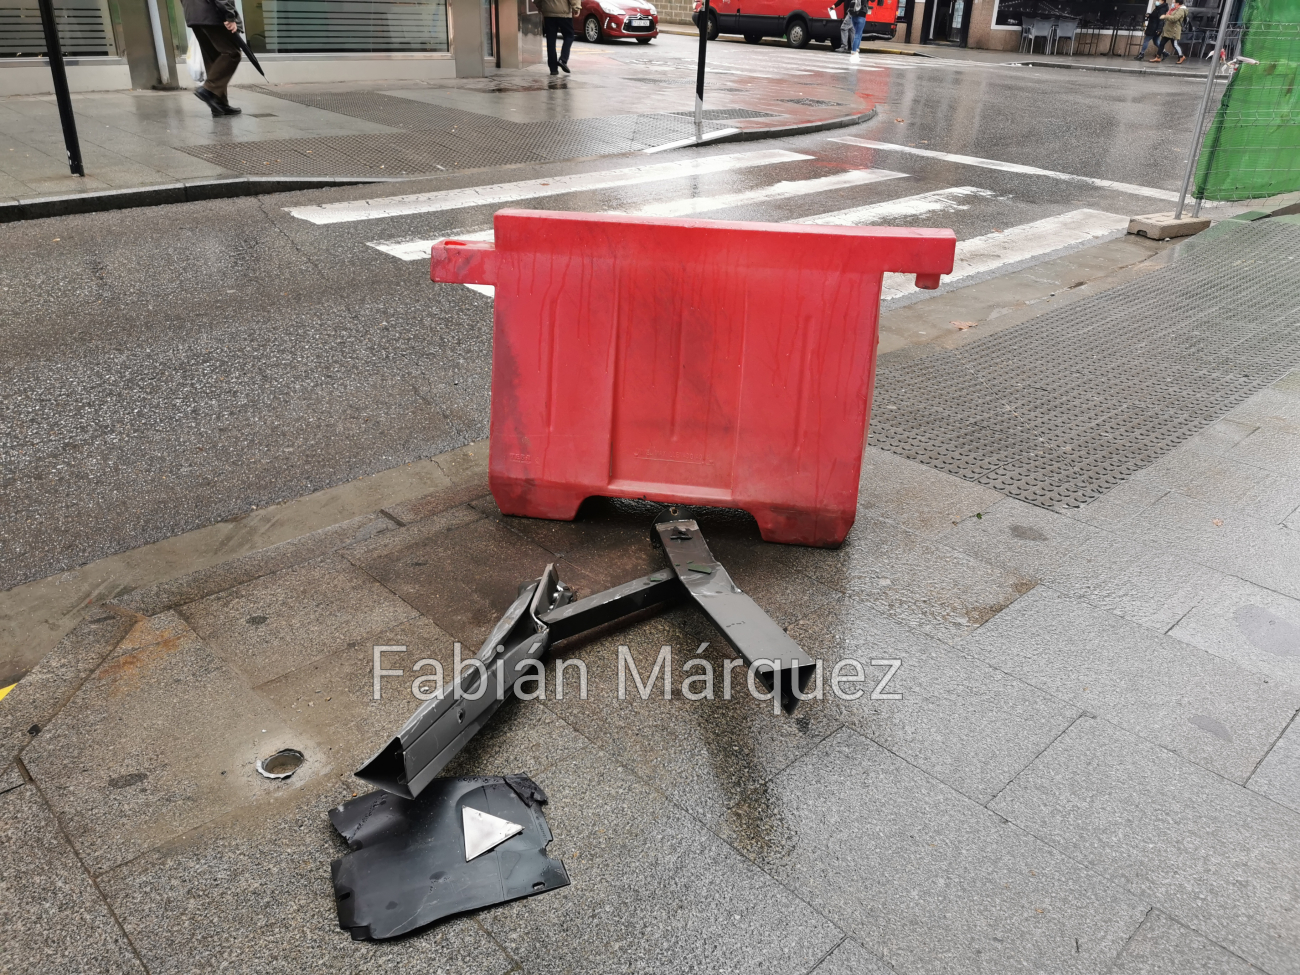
251	893
1257	629
54	918
1125	501
11	779
1162	946
1268	555
370	549
189	588
653	891
1210	854
1176	695
160	739
331	699
917	497
1272	449
970	726
39	696
268	627
911	579
610	541
465	471
921	876
1020	537
1278	776
1222	479
1151	586
850	958
462	577
704	755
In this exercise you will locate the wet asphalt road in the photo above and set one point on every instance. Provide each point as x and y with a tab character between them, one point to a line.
162	369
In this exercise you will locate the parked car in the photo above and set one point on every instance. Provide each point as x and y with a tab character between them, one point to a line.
601	19
757	19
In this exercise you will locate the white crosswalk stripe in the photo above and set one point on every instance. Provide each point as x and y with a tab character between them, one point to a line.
936	201
1007	167
500	193
777	191
1031	241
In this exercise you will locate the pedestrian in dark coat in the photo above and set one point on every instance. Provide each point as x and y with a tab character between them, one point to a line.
1154	23
214	23
557	21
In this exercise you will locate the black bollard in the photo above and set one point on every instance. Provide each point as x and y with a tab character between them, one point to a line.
54	51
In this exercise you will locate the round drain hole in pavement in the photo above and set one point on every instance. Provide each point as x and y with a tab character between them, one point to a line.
281	765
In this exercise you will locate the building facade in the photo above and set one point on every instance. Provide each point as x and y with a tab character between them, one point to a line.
118	44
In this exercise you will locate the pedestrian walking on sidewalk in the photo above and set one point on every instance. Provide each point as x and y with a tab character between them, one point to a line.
557	21
857	10
1152	33
214	23
1172	31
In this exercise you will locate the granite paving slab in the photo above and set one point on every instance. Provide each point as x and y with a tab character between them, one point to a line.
251	893
911	579
278	623
163	737
1256	628
1210	854
1169	692
967	724
1278	775
1162	946
923	877
54	918
653	891
702	754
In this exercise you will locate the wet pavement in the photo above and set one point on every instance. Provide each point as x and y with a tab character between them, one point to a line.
243	445
1092	765
222	356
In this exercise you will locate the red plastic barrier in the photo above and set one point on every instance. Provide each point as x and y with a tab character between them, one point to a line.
695	361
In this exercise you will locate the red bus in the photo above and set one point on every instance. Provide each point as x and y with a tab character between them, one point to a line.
757	19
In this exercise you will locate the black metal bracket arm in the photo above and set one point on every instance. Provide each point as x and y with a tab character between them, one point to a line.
545	612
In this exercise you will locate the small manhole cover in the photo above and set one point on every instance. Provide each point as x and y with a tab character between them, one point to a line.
281	765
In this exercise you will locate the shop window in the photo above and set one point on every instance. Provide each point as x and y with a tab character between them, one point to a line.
84	29
367	26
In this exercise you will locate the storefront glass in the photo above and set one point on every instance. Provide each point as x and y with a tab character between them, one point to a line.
328	26
1091	13
85	29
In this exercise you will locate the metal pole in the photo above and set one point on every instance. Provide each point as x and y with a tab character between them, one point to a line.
55	53
1205	104
699	73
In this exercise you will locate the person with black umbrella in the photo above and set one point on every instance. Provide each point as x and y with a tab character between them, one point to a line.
216	26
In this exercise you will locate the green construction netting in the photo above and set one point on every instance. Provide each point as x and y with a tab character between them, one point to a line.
1252	148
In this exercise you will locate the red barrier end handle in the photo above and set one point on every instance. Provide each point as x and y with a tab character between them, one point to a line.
927	281
464	262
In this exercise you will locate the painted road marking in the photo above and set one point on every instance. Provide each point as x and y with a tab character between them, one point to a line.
1007	167
777	191
6	690
936	201
498	193
1029	242
417	248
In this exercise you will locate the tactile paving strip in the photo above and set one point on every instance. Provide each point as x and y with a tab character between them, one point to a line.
434	138
1059	409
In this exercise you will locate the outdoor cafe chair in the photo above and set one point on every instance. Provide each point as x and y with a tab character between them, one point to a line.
1031	30
1064	29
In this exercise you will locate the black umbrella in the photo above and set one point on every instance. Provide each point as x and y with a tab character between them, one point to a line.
248	52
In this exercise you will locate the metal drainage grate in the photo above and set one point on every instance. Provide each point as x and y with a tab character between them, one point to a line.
1061	408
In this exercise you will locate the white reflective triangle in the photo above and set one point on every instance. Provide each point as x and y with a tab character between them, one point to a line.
483	831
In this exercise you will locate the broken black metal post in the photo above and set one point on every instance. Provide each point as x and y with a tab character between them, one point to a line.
54	51
699	72
545	612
